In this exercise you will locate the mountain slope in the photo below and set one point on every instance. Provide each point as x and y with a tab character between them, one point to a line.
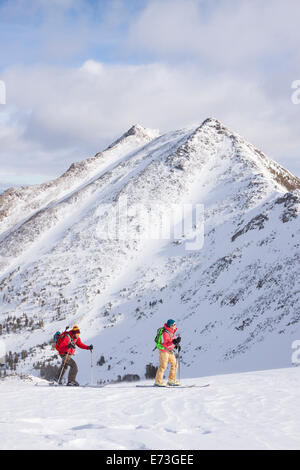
18	204
236	299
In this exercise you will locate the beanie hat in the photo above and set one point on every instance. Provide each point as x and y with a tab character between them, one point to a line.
75	329
170	322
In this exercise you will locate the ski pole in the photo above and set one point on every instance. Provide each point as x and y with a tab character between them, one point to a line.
178	365
178	356
63	367
92	365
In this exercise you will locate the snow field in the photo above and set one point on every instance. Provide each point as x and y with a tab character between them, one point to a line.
253	410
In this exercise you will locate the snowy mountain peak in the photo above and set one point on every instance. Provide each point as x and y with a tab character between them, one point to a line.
139	132
137	129
252	159
212	122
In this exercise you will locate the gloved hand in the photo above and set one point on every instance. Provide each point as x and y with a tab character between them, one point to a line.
177	340
91	347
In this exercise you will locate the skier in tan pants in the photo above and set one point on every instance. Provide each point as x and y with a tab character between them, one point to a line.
166	355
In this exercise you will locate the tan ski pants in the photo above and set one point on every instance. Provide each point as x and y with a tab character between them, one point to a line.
166	357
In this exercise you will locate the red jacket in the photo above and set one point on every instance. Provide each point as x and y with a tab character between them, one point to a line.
167	338
68	343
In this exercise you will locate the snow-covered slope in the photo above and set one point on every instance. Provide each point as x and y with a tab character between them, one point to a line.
254	410
17	205
236	300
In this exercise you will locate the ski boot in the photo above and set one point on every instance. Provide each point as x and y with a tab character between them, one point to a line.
160	384
173	383
73	383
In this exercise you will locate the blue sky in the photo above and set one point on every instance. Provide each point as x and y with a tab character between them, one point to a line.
26	28
79	73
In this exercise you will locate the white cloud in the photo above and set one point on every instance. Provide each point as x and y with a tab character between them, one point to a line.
65	113
230	32
235	60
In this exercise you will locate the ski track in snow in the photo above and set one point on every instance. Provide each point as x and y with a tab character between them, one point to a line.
253	410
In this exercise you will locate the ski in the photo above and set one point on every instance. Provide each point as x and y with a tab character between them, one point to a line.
174	386
54	384
92	386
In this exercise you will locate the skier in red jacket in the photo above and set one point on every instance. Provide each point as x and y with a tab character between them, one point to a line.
66	349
